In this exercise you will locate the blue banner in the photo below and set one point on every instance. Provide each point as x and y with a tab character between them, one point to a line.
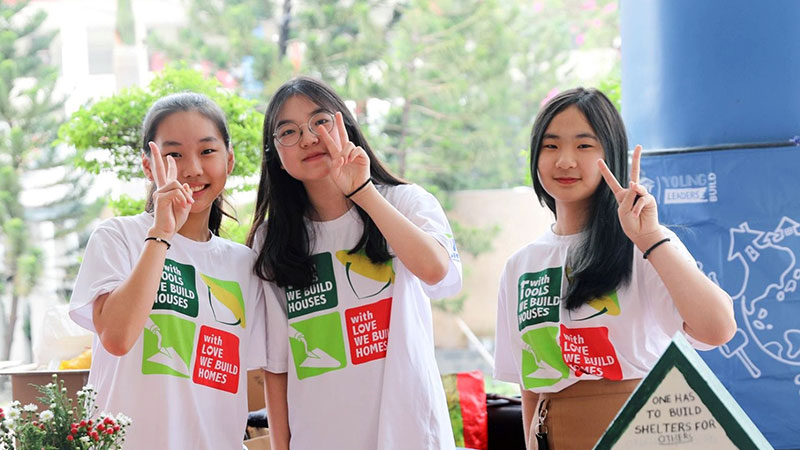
738	212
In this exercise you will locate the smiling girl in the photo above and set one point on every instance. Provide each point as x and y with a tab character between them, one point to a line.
585	311
177	315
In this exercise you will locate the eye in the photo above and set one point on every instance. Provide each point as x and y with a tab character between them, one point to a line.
322	121
173	154
549	146
285	132
208	151
585	146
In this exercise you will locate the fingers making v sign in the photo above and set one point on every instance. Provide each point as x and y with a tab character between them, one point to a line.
637	208
349	163
172	200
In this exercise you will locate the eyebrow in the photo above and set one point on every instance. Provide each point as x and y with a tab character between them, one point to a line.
577	136
318	110
178	144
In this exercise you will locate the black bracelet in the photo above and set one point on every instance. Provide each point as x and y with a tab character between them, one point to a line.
359	188
158	239
653	247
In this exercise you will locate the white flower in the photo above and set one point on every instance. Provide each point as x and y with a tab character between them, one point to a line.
30	407
84	439
9	423
13	413
46	415
16	404
123	420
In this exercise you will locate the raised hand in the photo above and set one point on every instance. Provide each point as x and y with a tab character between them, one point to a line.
637	208
172	200
349	163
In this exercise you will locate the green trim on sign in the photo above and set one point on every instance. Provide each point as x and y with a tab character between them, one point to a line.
680	355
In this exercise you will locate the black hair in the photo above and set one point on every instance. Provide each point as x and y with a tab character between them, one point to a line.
284	256
603	259
181	102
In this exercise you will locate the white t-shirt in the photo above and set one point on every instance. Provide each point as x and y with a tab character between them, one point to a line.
362	372
545	347
184	382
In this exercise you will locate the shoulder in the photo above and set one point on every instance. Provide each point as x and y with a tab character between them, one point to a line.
124	225
403	192
234	250
545	243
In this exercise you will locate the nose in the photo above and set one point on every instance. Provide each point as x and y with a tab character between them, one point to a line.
307	137
191	166
566	159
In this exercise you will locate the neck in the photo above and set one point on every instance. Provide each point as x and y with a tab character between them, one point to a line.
327	201
196	226
570	218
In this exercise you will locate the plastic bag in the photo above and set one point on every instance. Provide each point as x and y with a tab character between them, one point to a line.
59	338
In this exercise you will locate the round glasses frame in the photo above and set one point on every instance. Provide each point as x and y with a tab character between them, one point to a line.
289	134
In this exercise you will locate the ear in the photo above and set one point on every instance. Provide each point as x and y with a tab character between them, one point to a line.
148	171
231	160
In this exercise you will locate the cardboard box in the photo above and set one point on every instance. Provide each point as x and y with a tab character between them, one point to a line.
24	382
259	443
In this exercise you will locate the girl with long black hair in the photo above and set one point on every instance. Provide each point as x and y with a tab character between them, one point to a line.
585	311
353	253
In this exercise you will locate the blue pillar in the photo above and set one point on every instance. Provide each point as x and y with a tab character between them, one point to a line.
706	72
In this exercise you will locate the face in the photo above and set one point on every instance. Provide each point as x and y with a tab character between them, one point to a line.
201	156
567	166
308	159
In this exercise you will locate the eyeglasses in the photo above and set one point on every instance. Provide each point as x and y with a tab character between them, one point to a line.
289	134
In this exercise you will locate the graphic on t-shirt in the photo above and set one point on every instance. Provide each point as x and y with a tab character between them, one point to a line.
366	279
539	297
217	362
454	250
225	298
607	304
167	346
318	345
542	364
320	295
368	330
177	291
589	351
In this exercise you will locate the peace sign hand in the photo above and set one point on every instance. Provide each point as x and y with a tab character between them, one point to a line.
637	208
349	163
172	200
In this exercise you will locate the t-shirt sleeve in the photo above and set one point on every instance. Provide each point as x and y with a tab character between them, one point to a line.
504	365
256	349
106	264
662	306
277	329
424	211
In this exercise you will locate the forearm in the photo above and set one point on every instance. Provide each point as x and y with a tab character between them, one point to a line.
529	401
706	309
277	410
420	252
120	316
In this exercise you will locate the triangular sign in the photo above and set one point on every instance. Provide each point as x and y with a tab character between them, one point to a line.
681	404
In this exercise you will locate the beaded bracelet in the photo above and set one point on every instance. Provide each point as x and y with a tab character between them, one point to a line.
158	239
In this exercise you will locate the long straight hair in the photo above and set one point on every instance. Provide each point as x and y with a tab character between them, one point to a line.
184	102
603	259
284	257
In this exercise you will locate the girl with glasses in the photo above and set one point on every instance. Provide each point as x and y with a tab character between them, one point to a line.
585	311
353	254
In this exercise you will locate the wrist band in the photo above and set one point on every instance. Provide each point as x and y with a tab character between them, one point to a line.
359	188
158	239
653	247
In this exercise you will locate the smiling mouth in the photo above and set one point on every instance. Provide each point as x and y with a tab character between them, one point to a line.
567	180
314	156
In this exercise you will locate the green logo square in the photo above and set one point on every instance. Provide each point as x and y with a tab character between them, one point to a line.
542	364
539	297
168	346
177	291
321	295
318	345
